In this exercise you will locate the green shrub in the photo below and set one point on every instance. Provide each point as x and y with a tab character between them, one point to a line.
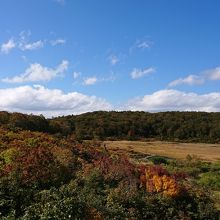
62	203
210	180
215	166
159	160
7	156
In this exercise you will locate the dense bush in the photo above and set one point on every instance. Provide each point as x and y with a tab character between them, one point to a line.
45	177
210	180
159	160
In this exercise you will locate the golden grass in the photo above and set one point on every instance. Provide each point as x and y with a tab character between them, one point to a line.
207	152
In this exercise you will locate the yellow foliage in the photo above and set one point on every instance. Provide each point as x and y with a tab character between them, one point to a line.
162	184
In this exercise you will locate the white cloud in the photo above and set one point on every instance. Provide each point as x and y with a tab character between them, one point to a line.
49	102
189	80
213	74
31	46
143	45
76	75
140	44
57	41
7	47
90	81
36	72
23	43
53	102
113	60
138	73
174	100
94	80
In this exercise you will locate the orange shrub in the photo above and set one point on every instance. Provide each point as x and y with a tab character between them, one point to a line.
157	179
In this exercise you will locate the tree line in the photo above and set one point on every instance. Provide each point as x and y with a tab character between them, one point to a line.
174	126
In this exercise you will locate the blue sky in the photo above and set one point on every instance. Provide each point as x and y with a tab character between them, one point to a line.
61	57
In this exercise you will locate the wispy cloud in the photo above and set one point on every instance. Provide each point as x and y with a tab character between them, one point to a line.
189	80
138	73
94	80
110	78
23	43
113	59
199	79
76	75
57	41
90	81
8	46
31	46
143	45
36	72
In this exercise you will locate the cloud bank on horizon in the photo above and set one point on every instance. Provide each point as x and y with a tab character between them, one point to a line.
53	102
133	57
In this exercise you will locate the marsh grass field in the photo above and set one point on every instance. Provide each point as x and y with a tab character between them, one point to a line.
174	150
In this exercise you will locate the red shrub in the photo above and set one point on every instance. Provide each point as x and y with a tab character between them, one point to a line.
116	168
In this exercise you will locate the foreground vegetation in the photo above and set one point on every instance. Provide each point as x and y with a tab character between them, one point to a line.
45	177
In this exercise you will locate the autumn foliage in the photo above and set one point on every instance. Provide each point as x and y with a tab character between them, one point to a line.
44	176
158	180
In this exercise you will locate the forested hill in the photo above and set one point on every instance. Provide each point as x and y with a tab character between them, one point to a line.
178	126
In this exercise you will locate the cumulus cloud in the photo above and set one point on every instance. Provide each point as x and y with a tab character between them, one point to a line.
57	41
8	46
54	102
174	100
138	73
36	72
189	80
49	102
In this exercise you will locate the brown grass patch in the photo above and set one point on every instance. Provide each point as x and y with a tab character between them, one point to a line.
207	152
